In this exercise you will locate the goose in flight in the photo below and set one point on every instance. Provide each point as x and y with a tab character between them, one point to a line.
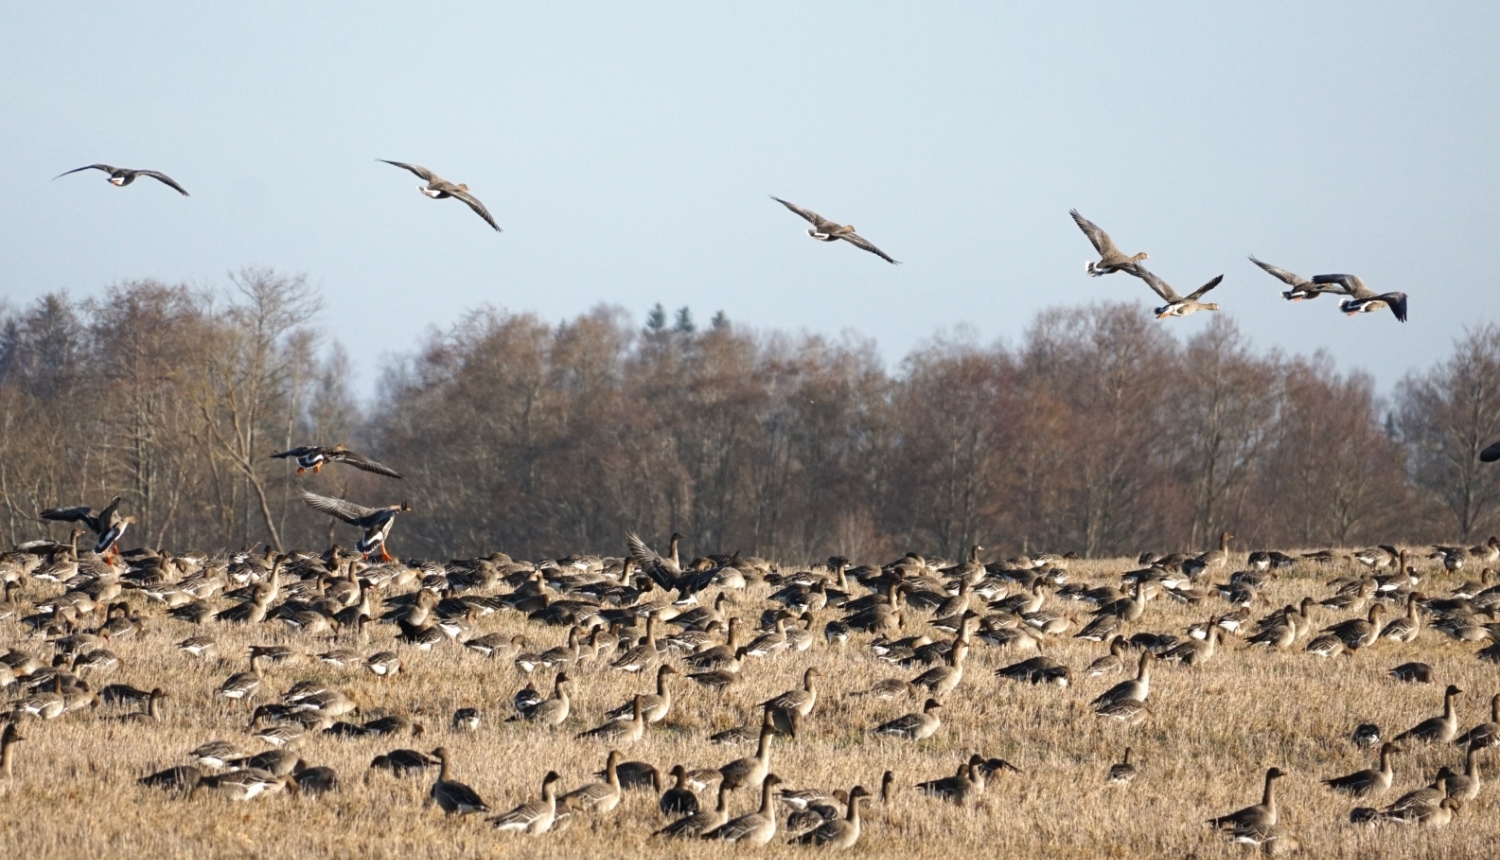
1362	299
437	188
376	522
1177	305
1301	288
1490	454
313	457
826	231
123	176
107	524
1110	258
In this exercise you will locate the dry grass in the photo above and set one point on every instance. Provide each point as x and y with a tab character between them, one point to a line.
1216	728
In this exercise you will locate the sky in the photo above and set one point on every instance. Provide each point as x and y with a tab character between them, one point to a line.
628	151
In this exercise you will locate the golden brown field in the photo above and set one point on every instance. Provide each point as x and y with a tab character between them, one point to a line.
1215	729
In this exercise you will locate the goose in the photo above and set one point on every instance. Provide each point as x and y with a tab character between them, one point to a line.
1261	814
679	800
313	457
1362	299
1122	772
755	829
1136	689
534	817
839	834
550	712
1484	735
942	680
916	726
1110	258
967	783
827	231
1301	288
1366	735
1413	672
123	176
642	656
599	797
450	795
1356	633
1176	304
621	732
182	778
313	781
1490	454
653	707
245	785
1407	627
466	720
438	188
802	701
152	713
1439	730
242	687
9	738
1112	662
1195	651
108	524
404	762
1371	783
376	522
699	823
751	771
216	754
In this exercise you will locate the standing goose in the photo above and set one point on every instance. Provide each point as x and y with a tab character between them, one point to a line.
1136	689
701	822
1110	258
438	188
839	834
453	796
622	732
599	796
914	727
123	176
679	799
1301	288
942	680
1261	814
1485	734
802	701
534	817
827	231
313	457
1362	299
1465	786
242	687
751	771
758	827
376	522
1437	730
1176	304
654	707
967	783
1371	783
551	712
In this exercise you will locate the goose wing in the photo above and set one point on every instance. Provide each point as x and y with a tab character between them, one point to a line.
812	217
1351	284
862	243
1161	287
418	169
1203	290
104	167
347	511
1490	454
1397	303
659	569
1100	239
1286	277
81	514
299	451
474	204
359	461
165	180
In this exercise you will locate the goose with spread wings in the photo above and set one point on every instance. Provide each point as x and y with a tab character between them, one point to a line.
1301	288
1111	259
1490	454
123	176
108	524
376	522
437	188
1176	304
314	456
1362	299
827	231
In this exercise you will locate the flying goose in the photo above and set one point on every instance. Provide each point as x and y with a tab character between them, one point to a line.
313	457
534	817
827	231
1362	299
837	833
437	188
1438	730
123	176
453	796
1263	813
1371	783
1110	258
1177	305
108	524
1490	454
1301	288
376	522
758	827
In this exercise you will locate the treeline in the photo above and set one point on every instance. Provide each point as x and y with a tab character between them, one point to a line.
1099	432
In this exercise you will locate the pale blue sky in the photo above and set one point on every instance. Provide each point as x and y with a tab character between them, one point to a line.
628	151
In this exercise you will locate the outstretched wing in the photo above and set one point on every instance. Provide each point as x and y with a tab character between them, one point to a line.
812	217
1397	304
360	461
1286	277
104	167
476	206
300	451
1351	284
654	565
346	511
418	169
1161	287
165	180
859	241
106	518
1201	291
1490	454
1100	239
82	514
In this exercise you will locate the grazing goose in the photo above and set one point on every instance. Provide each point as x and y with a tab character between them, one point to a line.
1371	783
699	823
313	457
108	524
1362	299
838	833
245	785
1176	304
376	522
914	727
1261	814
1110	258
1301	288
1122	772
757	828
183	777
599	796
404	762
438	188
751	771
621	732
826	231
1437	730
534	817
123	176
453	796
